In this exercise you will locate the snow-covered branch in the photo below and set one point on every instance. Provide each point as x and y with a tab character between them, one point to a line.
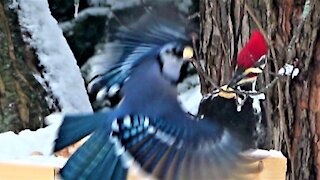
60	68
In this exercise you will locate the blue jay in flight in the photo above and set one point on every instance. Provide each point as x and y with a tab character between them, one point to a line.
148	125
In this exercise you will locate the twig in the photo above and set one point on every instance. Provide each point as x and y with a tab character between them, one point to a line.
237	33
194	15
196	63
221	39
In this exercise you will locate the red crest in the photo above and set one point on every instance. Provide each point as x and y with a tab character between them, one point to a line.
253	50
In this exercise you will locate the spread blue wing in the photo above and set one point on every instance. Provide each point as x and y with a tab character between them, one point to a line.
187	149
168	149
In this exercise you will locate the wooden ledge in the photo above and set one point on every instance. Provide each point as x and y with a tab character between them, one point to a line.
273	166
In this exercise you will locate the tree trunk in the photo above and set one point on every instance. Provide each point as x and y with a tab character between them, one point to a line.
22	103
292	105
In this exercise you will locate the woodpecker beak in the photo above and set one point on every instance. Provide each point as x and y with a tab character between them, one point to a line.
243	76
238	76
248	75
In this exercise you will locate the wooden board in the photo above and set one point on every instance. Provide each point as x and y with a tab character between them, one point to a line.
273	167
10	171
270	168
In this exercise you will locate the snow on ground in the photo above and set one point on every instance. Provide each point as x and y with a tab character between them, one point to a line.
30	147
264	153
24	148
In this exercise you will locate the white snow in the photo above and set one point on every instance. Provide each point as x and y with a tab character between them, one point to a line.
289	70
23	148
91	11
259	153
116	4
76	8
47	161
32	147
183	5
61	70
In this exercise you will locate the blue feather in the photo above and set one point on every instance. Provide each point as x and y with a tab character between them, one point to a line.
120	173
74	128
95	159
82	158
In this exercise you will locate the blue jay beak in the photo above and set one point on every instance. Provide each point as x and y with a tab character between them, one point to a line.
187	53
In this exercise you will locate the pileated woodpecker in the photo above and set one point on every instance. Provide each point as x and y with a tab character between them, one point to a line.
242	114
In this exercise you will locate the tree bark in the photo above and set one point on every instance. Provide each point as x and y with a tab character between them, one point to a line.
292	105
22	102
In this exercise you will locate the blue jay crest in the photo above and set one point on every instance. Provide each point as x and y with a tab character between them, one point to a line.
129	45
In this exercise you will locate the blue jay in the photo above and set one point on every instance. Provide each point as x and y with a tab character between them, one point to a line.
148	125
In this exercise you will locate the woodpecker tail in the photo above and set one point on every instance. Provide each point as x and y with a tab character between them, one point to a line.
76	127
97	158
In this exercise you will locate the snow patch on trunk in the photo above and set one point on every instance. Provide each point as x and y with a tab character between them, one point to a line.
60	67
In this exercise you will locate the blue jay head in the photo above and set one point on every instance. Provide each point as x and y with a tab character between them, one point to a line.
172	56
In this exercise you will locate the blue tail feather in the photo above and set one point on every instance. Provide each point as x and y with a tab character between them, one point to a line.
82	160
108	166
104	164
120	173
95	159
74	128
93	169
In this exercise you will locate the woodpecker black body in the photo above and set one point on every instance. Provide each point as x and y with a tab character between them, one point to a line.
247	124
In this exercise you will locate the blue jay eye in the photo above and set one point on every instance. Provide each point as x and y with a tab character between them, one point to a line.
178	51
168	51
